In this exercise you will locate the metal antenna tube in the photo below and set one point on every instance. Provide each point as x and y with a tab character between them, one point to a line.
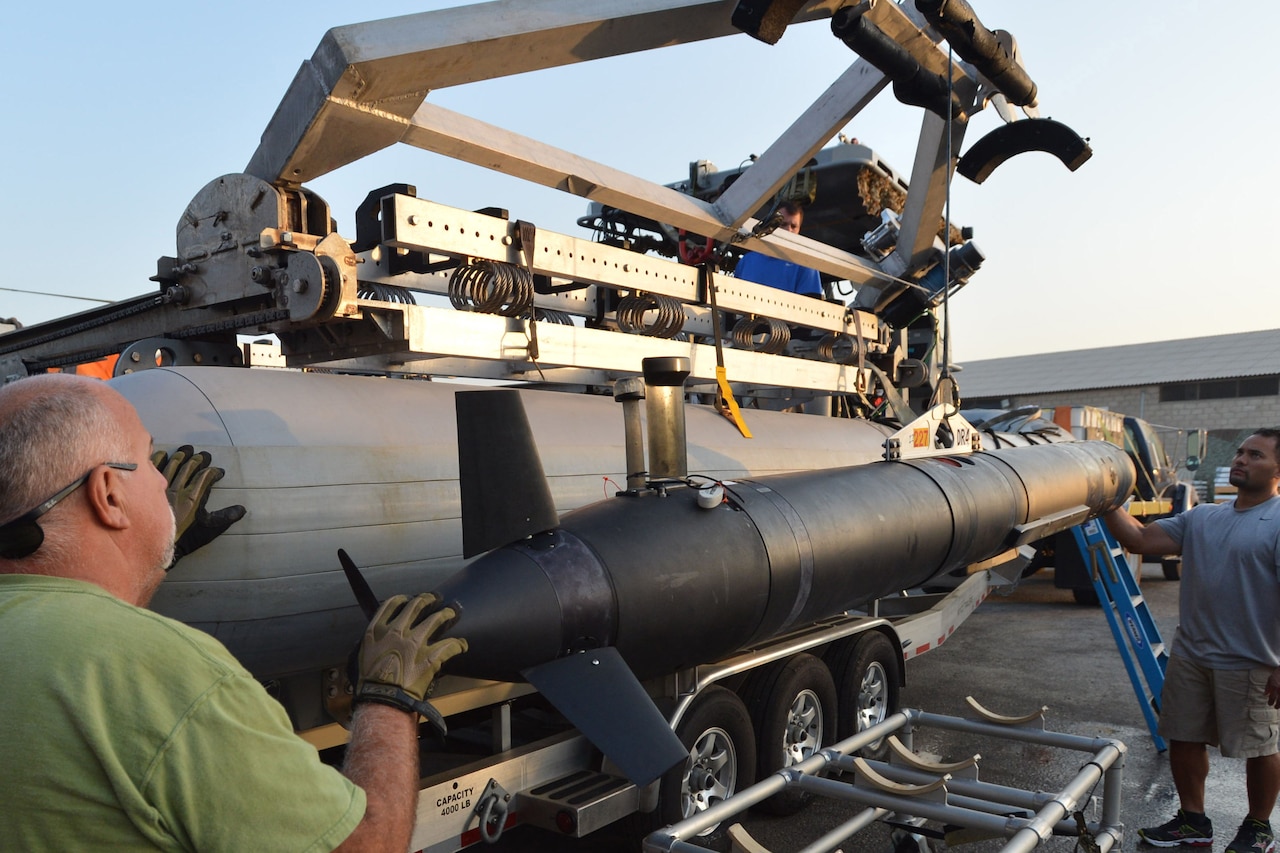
664	404
629	392
945	373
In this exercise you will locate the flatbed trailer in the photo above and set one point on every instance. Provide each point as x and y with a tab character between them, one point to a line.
560	782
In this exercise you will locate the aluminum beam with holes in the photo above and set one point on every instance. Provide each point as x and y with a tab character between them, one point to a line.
425	226
446	333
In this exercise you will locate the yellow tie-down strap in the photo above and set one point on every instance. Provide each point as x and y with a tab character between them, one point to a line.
727	405
1153	507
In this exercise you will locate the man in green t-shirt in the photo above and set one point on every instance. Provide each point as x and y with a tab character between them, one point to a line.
123	729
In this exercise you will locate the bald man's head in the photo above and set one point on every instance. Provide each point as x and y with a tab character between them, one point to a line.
80	440
52	429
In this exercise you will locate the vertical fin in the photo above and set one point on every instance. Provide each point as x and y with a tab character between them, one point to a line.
505	496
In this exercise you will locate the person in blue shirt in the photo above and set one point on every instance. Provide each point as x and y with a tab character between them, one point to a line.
781	274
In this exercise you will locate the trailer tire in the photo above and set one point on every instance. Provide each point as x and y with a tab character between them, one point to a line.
1087	596
792	703
1172	568
868	674
722	759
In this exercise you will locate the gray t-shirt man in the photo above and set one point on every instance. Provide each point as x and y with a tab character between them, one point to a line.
1230	591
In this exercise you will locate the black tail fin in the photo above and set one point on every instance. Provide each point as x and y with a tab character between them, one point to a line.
505	496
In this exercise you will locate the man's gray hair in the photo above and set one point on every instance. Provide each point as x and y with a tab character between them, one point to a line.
51	432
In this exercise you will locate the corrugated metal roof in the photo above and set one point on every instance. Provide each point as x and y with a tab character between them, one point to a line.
1185	360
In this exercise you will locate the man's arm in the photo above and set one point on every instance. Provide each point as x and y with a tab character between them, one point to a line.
1273	688
1138	538
397	662
382	758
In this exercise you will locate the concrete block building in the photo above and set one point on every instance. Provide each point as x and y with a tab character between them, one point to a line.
1227	384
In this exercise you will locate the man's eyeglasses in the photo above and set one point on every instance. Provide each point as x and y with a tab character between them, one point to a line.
22	537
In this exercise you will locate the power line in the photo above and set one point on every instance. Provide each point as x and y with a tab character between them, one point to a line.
58	295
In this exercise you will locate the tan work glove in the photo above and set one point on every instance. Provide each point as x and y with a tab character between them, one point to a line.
191	477
397	662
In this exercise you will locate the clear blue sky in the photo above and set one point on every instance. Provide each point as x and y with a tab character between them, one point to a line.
117	114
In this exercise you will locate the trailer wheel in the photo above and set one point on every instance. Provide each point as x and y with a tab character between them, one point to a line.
793	706
1172	568
722	758
1087	596
868	673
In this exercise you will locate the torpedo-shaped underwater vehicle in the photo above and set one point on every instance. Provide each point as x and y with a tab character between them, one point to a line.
688	572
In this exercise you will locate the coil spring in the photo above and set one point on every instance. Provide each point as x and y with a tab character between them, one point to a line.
841	348
492	287
774	335
551	315
666	324
385	293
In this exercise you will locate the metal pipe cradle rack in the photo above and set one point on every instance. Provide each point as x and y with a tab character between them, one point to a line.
907	790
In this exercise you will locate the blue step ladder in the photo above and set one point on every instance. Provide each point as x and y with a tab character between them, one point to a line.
1135	631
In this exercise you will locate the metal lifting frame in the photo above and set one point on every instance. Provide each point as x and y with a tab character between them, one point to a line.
951	794
249	267
366	88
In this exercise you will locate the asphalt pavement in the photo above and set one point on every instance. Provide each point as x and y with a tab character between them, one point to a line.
1019	651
